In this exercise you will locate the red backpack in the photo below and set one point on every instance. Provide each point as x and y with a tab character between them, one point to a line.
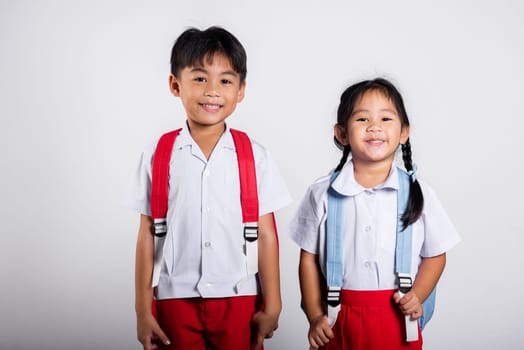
248	197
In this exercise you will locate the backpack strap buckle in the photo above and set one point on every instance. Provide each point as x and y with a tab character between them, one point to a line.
333	295
160	227
251	231
405	283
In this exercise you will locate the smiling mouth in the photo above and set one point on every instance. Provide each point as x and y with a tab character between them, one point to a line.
375	141
210	107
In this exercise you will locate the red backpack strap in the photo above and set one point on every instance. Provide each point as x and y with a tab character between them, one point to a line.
159	196
160	179
248	183
248	179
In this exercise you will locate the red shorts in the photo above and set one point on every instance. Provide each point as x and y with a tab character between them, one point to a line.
210	323
370	320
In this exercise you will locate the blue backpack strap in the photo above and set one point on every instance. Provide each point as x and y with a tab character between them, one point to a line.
403	250
334	268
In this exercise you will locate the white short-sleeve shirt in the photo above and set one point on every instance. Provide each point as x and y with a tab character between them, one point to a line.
370	229
204	247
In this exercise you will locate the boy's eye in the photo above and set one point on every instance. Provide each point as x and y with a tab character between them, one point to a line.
386	119
362	119
226	81
200	79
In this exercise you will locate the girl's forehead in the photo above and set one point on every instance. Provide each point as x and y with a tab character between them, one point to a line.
374	96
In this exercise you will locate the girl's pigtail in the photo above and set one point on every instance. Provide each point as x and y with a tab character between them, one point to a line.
345	154
416	199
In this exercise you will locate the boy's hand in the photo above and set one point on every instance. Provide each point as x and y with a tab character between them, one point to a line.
149	333
264	325
409	304
320	333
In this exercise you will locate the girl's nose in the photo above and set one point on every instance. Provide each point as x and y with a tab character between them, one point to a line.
374	127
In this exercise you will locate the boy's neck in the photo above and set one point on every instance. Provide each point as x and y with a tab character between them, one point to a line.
370	175
206	136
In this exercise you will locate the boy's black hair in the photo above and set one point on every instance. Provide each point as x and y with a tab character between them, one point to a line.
348	99
194	46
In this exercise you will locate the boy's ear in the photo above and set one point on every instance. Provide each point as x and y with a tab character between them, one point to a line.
241	92
341	134
174	87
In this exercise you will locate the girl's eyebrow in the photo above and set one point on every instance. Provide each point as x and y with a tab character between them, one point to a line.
356	111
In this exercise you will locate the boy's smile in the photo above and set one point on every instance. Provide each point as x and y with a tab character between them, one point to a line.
209	92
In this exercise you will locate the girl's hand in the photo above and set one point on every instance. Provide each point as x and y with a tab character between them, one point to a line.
264	325
149	332
320	333
409	304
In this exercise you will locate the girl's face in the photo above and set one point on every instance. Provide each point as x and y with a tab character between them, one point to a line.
374	130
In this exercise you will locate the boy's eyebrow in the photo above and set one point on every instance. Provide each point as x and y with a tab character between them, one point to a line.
203	70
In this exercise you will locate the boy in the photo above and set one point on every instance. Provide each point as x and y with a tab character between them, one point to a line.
199	301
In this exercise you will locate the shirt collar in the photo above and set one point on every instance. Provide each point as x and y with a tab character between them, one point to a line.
185	139
346	184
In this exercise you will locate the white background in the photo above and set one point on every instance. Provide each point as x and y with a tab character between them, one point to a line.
83	89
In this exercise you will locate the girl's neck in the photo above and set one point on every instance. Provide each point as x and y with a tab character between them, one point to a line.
206	137
370	175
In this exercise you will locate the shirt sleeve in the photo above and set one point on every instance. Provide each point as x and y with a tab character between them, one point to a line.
305	226
440	235
139	188
272	191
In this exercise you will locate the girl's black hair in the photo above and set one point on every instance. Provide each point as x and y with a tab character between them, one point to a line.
348	99
194	46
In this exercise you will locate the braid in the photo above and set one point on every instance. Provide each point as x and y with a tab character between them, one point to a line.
416	199
345	154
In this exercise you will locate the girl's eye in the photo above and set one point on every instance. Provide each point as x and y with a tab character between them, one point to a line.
362	119
386	119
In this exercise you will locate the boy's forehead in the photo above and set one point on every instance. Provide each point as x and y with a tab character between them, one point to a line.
213	58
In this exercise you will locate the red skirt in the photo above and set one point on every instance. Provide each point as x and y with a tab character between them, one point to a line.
370	320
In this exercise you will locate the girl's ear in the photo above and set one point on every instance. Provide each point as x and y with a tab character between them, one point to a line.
341	134
174	87
404	134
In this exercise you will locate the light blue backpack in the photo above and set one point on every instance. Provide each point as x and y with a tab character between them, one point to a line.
403	253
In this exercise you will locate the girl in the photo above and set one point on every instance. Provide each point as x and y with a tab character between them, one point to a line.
371	124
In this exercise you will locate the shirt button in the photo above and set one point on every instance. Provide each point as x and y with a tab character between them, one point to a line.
206	172
207	244
367	228
367	264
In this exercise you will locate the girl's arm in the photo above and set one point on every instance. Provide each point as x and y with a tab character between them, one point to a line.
310	286
266	320
428	275
147	326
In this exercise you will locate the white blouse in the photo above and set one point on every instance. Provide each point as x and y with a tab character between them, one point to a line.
370	229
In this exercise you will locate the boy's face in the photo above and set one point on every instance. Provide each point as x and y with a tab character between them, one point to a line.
209	92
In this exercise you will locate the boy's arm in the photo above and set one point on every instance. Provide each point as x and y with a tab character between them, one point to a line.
266	321
147	326
310	287
428	275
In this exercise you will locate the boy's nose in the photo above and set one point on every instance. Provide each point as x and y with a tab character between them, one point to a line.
212	93
212	89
